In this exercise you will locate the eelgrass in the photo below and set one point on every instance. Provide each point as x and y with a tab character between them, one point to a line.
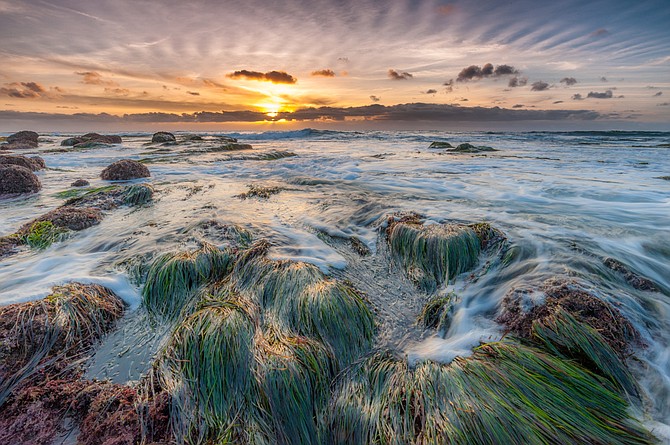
434	254
506	393
566	337
437	312
42	234
173	279
208	369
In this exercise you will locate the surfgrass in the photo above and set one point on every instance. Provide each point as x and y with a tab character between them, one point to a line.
566	337
372	403
515	394
295	373
434	254
138	194
506	393
437	312
207	368
173	279
42	234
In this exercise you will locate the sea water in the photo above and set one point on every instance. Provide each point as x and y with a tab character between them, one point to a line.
564	200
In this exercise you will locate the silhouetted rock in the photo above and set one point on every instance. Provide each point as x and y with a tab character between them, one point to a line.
33	163
90	140
163	136
125	169
440	145
16	179
80	183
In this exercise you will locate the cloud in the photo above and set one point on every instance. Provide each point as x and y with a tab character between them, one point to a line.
517	106
599	32
558	102
23	90
397	75
449	85
193	93
324	73
568	80
539	86
663	104
270	76
411	112
95	78
660	93
475	72
517	82
577	97
431	91
374	98
343	59
118	91
447	9
595	95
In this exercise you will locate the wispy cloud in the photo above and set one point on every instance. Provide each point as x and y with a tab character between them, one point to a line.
95	78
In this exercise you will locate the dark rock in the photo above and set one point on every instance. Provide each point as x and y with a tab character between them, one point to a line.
227	139
637	281
24	137
91	138
125	169
72	218
231	146
80	183
163	136
192	137
34	163
8	245
17	146
438	144
469	148
16	179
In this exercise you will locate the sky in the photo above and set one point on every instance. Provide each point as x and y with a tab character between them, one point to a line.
255	65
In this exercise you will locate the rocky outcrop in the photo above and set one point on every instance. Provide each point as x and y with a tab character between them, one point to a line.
91	139
469	148
21	141
15	179
33	163
66	217
163	136
80	183
438	144
125	169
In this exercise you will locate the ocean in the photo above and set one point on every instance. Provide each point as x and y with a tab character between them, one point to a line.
565	201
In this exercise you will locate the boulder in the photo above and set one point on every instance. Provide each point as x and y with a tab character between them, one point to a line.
16	179
90	139
33	163
125	169
28	138
80	183
66	217
469	148
439	144
163	136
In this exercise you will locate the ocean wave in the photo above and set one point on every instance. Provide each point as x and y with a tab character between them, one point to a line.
305	133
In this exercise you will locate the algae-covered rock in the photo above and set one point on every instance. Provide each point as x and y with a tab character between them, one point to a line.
33	163
67	217
634	279
125	169
90	140
469	148
15	179
163	136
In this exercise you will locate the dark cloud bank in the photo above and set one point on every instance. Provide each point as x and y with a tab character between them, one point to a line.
412	112
270	76
474	72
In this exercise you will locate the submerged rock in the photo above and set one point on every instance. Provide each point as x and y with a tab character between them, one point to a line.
439	144
80	183
637	281
125	169
33	163
259	191
163	136
15	179
469	148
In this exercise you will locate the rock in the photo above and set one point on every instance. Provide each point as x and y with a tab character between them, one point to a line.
16	179
227	139
125	169
91	138
192	137
8	245
469	148
80	183
67	217
34	163
438	144
24	137
163	136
